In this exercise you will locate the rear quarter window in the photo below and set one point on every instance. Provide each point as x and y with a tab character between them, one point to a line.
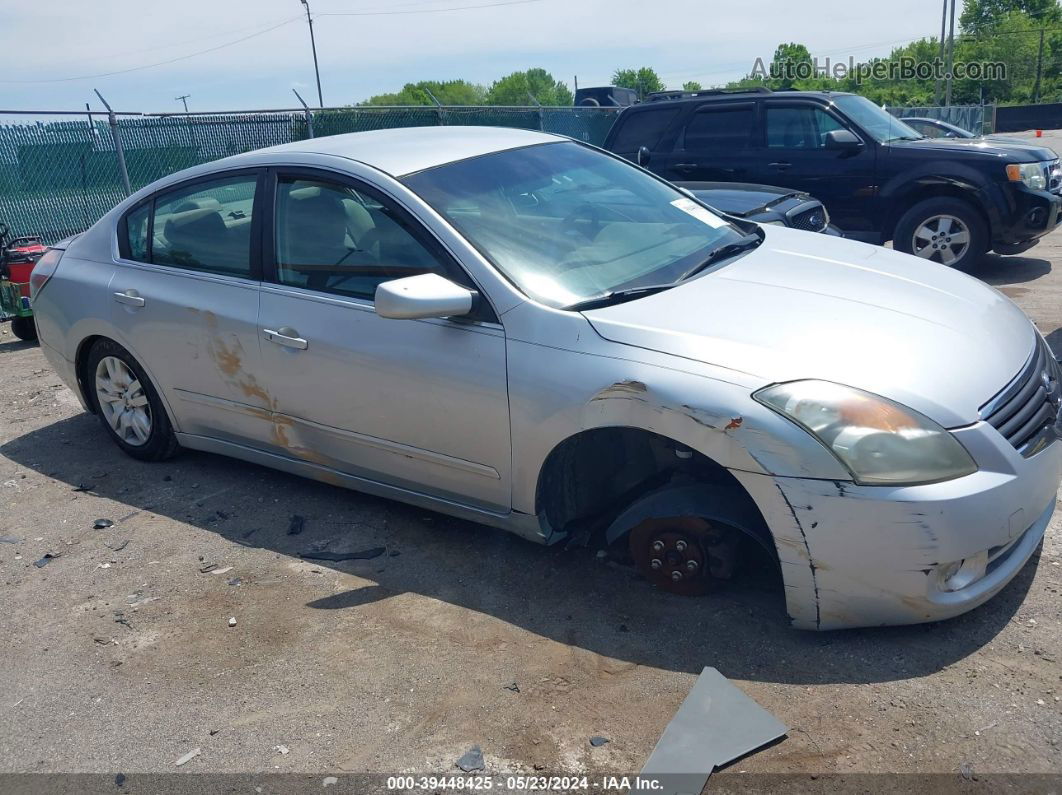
135	244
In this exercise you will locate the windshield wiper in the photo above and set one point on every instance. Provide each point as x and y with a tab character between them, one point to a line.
616	297
739	246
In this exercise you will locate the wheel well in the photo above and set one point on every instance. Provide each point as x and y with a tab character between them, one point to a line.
904	202
591	477
80	364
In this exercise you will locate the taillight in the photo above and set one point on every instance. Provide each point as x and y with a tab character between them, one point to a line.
43	270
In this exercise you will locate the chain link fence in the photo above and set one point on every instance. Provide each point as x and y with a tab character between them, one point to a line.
60	172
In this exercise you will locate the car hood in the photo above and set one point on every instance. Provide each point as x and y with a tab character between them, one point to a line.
738	199
803	306
1012	150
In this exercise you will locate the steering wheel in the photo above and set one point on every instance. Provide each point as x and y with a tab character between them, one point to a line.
584	220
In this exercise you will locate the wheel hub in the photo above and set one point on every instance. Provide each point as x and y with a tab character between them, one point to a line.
684	555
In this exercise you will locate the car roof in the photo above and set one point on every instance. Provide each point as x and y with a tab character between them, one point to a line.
405	150
670	98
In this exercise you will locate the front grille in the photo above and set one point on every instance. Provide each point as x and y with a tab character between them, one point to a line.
1030	403
813	219
1053	175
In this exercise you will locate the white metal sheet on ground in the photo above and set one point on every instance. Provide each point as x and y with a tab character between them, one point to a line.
716	724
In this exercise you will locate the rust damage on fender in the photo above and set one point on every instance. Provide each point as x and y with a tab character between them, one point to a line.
734	424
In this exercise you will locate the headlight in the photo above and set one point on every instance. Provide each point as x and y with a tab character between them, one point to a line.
880	442
1031	174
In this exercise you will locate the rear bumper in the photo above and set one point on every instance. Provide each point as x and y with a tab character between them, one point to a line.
64	368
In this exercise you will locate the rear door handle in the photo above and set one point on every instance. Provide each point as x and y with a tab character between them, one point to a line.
288	337
685	166
129	298
780	165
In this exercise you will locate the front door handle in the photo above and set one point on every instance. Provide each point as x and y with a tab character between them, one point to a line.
286	336
685	166
129	298
781	165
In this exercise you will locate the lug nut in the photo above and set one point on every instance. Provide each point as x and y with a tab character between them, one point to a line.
655	563
680	546
691	565
676	576
658	546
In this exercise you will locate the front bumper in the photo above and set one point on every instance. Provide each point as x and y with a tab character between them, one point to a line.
1027	216
856	556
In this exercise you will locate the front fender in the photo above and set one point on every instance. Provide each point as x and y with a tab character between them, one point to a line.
556	393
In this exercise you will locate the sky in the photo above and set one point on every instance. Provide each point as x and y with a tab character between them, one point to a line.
55	52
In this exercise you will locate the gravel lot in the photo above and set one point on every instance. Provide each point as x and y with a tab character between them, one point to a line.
117	655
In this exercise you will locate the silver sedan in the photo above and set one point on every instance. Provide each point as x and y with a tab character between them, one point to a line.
528	332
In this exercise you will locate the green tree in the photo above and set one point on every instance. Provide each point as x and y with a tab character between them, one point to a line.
981	15
793	63
448	92
517	88
644	80
691	85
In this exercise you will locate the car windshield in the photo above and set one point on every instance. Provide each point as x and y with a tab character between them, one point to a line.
566	223
881	125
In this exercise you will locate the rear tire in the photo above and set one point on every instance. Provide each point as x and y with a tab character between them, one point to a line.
127	403
24	328
943	230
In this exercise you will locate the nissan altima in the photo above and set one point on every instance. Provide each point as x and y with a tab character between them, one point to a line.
528	332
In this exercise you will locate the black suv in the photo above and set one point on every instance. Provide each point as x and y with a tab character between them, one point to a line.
944	199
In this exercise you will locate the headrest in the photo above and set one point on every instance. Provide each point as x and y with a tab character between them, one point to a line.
202	203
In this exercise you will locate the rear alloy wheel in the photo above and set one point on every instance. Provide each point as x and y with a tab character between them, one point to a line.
946	231
24	328
128	405
686	555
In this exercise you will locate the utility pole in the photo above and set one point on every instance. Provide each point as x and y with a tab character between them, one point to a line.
183	98
943	23
1039	67
313	45
951	54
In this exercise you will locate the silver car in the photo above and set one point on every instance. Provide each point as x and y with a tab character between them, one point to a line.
525	331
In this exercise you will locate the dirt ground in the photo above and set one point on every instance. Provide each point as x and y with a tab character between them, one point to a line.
118	654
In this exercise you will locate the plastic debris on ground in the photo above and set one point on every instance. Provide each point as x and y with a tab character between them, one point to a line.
472	760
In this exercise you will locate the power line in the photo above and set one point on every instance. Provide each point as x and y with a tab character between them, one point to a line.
159	63
423	10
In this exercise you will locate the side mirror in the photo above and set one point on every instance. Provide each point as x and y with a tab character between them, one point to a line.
843	141
423	296
644	156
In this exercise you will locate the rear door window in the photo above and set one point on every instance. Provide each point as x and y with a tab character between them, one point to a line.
719	128
206	226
